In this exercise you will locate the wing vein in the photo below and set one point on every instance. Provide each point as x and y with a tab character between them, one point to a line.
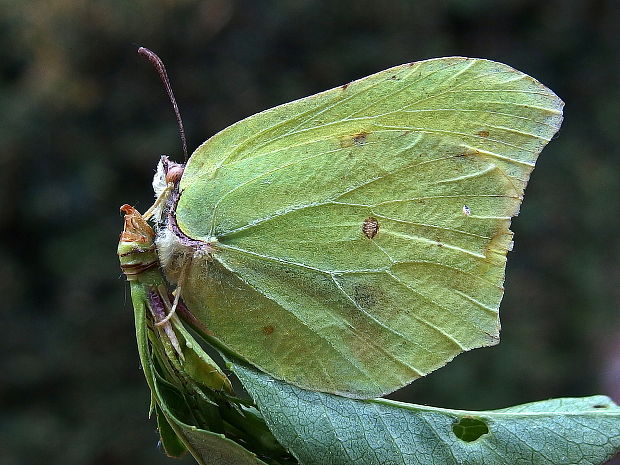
444	334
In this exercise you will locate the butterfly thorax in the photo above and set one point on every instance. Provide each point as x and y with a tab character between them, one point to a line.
175	248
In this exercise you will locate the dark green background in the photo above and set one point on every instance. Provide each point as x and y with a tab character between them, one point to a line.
84	120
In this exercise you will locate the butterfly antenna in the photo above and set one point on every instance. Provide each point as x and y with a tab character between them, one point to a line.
161	70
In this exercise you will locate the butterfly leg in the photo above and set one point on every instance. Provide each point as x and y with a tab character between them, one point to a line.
161	198
162	320
177	295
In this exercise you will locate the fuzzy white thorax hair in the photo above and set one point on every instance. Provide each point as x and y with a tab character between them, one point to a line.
173	254
159	187
159	180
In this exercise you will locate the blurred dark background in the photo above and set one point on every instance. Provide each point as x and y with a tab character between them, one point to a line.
83	120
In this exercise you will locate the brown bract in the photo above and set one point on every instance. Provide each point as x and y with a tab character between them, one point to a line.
136	229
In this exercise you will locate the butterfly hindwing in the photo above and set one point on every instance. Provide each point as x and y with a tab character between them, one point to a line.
362	232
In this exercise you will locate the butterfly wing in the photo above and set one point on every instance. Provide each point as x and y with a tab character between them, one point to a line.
362	232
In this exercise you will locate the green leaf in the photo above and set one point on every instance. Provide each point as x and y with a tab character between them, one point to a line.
208	448
324	429
199	365
355	240
170	442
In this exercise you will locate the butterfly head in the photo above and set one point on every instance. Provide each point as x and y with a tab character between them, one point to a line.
168	172
173	170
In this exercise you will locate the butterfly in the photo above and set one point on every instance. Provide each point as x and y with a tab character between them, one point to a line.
355	240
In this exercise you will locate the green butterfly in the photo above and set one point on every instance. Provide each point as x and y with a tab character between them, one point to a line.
355	240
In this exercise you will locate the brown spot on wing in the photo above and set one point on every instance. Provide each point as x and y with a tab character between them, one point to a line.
360	138
366	296
370	227
467	153
483	133
357	139
269	329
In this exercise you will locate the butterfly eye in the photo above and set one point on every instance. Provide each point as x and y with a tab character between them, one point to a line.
175	171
